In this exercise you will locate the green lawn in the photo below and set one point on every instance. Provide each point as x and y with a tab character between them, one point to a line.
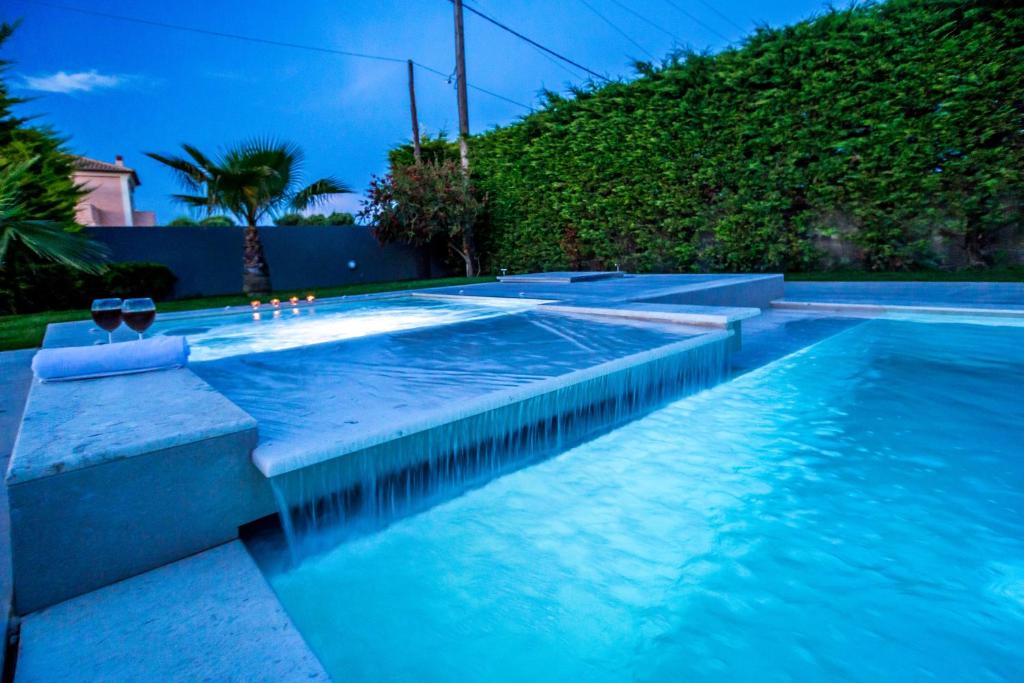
26	331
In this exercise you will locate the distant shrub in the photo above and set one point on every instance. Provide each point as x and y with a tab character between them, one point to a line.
217	222
53	287
297	219
289	219
209	221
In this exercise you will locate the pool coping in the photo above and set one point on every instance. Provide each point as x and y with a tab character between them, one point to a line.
881	309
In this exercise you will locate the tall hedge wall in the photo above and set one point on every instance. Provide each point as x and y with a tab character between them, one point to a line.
884	136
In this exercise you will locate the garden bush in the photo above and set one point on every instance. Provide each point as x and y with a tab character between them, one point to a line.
51	286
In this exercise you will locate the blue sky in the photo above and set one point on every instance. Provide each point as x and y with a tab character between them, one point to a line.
114	87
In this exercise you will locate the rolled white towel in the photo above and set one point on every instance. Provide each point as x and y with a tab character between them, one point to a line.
123	358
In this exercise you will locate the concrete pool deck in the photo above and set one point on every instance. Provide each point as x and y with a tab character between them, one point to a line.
935	297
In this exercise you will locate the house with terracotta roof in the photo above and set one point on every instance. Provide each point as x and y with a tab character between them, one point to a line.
110	192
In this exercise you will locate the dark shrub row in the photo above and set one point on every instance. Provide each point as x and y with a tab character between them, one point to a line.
42	287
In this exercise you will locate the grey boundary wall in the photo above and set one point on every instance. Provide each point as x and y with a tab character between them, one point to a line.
208	260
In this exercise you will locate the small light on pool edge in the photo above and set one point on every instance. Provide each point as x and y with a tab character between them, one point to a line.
276	303
294	301
255	303
310	298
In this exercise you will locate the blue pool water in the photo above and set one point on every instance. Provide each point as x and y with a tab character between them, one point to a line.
221	335
851	512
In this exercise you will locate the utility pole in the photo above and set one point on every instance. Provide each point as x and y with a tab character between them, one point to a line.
460	80
415	120
468	242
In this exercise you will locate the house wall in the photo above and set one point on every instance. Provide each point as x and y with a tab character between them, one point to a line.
208	260
105	203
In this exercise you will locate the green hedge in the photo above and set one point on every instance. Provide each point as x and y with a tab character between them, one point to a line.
887	136
54	287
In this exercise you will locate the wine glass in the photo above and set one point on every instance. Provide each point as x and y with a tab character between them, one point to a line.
138	314
106	313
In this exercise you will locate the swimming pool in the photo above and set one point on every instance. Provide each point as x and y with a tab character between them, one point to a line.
849	512
220	335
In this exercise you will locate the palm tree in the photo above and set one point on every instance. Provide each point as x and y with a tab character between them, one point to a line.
46	239
251	181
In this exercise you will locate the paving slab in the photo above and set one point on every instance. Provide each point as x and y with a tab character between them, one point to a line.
680	314
209	617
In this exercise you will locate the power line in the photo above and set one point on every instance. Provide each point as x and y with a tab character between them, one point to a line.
722	15
208	32
262	41
519	35
697	21
617	29
448	77
647	21
543	54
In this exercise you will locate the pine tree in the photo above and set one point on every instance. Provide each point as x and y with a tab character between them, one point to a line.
46	189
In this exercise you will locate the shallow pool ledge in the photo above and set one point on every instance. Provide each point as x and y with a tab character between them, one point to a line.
111	477
492	415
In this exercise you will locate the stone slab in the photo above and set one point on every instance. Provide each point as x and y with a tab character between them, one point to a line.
210	617
73	425
115	476
678	314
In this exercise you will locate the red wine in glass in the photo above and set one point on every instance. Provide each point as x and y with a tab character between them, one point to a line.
106	313
138	314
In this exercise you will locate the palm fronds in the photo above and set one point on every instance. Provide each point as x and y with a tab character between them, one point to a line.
50	240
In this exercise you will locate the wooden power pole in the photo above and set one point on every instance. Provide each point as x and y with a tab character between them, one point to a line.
416	154
460	81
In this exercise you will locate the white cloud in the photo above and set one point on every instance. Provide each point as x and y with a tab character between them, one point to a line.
81	81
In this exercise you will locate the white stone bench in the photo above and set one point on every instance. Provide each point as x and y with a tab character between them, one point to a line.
111	477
